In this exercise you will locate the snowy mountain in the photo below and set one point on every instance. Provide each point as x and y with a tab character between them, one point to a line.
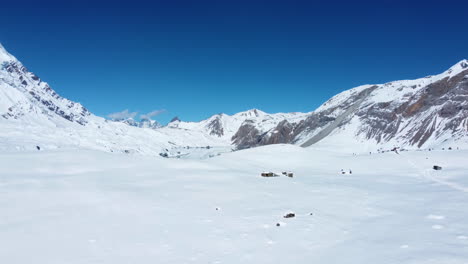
33	115
422	113
229	127
418	113
24	95
149	123
426	112
143	123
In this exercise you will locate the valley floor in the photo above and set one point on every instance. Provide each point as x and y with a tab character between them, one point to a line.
76	206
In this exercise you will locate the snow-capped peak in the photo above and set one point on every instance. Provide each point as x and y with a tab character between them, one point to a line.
251	113
457	68
5	55
24	95
422	112
149	123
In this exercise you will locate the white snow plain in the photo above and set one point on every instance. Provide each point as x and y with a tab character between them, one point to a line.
84	206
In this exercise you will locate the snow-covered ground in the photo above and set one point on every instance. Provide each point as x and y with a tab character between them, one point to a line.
84	206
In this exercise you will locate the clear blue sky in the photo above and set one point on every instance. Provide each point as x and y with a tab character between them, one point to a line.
198	58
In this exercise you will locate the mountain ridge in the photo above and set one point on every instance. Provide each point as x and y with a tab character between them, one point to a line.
416	113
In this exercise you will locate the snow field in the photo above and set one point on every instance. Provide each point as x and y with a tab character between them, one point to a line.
77	206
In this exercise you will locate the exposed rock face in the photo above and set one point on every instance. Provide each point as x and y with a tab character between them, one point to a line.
440	107
247	136
414	113
319	124
283	133
407	112
176	118
216	127
40	95
312	123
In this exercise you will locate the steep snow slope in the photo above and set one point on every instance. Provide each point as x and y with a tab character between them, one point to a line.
94	207
24	95
32	114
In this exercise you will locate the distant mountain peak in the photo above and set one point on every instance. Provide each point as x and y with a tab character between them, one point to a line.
425	112
149	123
175	119
252	113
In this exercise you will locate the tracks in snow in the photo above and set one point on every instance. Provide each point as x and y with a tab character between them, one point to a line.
429	175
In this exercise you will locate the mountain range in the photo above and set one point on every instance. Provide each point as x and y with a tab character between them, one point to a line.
423	113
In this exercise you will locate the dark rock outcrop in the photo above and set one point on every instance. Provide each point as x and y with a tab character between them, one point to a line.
216	127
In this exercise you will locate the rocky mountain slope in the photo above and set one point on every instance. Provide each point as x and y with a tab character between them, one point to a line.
25	95
412	113
420	113
229	127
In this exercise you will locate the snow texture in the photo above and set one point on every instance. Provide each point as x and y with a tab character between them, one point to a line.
78	206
